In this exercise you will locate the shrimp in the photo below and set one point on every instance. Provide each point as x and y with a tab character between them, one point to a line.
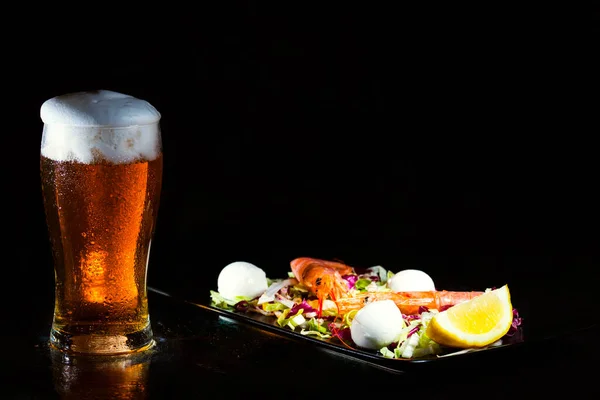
407	302
323	278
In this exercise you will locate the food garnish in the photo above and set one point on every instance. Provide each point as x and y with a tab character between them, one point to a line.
475	323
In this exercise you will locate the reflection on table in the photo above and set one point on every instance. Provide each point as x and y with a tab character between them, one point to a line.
123	377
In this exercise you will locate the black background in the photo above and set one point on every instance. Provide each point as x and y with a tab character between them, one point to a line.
455	141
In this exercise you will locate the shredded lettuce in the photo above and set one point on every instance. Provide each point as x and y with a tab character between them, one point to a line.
274	306
282	318
349	317
380	272
222	302
273	288
390	274
361	284
298	291
302	305
413	342
314	325
292	322
306	332
316	329
387	353
411	345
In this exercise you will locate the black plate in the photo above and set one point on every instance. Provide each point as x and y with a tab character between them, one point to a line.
269	324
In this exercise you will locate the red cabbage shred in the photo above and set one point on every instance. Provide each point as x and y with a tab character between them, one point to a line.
300	306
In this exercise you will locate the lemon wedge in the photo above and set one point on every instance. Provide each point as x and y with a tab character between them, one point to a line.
474	323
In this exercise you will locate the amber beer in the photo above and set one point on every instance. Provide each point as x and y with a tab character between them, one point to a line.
101	210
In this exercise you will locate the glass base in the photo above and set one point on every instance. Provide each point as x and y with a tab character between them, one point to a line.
107	344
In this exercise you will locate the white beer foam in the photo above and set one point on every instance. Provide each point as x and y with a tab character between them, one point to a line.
85	125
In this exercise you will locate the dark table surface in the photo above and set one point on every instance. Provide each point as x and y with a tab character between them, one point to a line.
288	138
200	354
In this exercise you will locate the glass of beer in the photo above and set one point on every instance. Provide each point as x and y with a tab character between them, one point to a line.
101	171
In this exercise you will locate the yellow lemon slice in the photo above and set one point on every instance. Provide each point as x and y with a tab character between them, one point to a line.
474	323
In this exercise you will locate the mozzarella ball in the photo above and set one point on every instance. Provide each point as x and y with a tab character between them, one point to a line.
411	280
377	325
241	278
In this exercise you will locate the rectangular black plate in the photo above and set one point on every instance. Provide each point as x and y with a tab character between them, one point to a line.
269	324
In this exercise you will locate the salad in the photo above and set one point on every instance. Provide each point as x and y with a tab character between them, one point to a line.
366	311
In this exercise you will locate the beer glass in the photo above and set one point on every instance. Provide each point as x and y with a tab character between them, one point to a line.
101	171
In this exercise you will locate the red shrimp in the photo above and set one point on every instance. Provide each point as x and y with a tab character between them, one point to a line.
321	277
407	302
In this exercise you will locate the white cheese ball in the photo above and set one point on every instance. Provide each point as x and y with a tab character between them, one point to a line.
377	325
241	278
411	280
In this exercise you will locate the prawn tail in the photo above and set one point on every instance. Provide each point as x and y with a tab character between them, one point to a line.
447	298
